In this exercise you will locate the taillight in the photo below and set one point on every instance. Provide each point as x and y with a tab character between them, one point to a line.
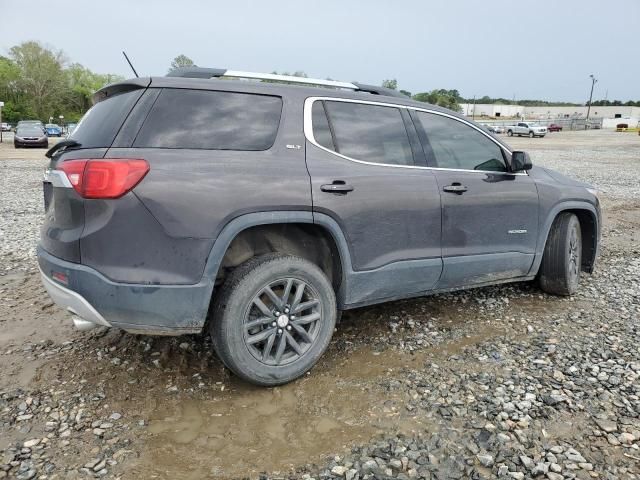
104	178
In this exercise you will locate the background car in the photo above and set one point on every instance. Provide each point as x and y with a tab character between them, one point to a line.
554	127
5	127
53	130
30	135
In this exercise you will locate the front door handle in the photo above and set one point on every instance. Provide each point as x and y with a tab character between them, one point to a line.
455	188
337	186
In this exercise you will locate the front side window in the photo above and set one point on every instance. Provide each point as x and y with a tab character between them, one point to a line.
211	120
457	145
371	133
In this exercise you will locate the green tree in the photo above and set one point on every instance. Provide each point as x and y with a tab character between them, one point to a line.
82	83
41	78
444	98
390	83
181	61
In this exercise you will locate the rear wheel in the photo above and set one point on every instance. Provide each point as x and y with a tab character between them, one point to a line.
510	133
273	319
562	259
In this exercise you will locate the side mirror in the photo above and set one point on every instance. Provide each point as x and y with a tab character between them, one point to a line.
520	161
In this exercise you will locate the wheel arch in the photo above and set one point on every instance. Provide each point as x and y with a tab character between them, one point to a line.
262	232
588	216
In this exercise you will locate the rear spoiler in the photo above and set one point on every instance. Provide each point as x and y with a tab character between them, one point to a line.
120	87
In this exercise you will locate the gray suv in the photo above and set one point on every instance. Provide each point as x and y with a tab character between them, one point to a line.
258	210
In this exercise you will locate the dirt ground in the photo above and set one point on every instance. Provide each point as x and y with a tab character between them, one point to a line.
170	410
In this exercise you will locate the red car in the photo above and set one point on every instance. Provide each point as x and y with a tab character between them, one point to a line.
554	128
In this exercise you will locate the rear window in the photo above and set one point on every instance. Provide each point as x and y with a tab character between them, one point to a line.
101	123
211	120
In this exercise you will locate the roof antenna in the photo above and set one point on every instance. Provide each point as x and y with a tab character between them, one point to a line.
129	62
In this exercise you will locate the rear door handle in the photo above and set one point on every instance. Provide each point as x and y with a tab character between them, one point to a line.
337	186
455	188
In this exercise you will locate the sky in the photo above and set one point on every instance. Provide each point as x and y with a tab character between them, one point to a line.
538	49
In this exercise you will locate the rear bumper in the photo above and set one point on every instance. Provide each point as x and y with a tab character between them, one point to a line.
136	308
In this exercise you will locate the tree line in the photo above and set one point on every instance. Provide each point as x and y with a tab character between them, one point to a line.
39	83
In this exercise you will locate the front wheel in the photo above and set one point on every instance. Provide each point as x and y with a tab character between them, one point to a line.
273	319
531	135
562	258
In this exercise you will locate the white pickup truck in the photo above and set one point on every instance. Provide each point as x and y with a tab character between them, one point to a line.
527	128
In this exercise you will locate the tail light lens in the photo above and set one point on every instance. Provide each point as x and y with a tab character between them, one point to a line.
104	178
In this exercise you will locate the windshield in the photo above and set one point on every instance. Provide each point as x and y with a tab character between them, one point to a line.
29	131
52	125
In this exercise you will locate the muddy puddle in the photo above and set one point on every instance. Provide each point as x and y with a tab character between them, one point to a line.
245	430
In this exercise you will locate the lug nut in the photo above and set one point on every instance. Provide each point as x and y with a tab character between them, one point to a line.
286	310
276	313
279	330
288	327
273	324
292	317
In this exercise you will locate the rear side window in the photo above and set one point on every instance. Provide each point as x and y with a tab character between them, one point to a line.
209	120
371	133
101	123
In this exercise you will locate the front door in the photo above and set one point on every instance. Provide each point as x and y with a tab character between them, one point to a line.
361	159
489	215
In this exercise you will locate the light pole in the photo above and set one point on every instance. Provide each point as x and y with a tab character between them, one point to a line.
61	117
593	82
1	105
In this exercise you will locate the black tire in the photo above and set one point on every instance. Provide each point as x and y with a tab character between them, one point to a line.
235	307
509	133
531	135
562	259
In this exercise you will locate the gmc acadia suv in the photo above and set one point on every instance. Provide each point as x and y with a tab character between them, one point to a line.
258	210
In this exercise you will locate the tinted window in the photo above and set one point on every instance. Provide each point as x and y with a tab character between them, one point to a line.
457	145
321	131
202	119
29	131
370	132
101	123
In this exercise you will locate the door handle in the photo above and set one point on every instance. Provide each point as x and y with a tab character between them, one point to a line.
338	186
455	187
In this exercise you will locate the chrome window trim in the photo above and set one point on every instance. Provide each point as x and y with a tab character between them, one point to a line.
308	133
289	78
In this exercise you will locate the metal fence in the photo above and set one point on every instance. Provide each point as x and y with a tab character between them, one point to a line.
571	123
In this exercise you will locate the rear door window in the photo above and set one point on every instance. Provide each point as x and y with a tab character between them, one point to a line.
101	123
321	129
372	133
211	120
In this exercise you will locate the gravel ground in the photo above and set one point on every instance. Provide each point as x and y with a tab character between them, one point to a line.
503	382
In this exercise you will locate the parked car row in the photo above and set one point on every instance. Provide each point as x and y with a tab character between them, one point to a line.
33	133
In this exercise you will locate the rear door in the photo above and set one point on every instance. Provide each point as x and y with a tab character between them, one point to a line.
489	214
365	175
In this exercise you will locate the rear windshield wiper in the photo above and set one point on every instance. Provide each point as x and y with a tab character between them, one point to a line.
63	144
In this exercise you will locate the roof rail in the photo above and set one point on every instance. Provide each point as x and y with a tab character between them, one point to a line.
201	72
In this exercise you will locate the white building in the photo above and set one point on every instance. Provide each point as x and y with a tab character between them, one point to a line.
611	115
